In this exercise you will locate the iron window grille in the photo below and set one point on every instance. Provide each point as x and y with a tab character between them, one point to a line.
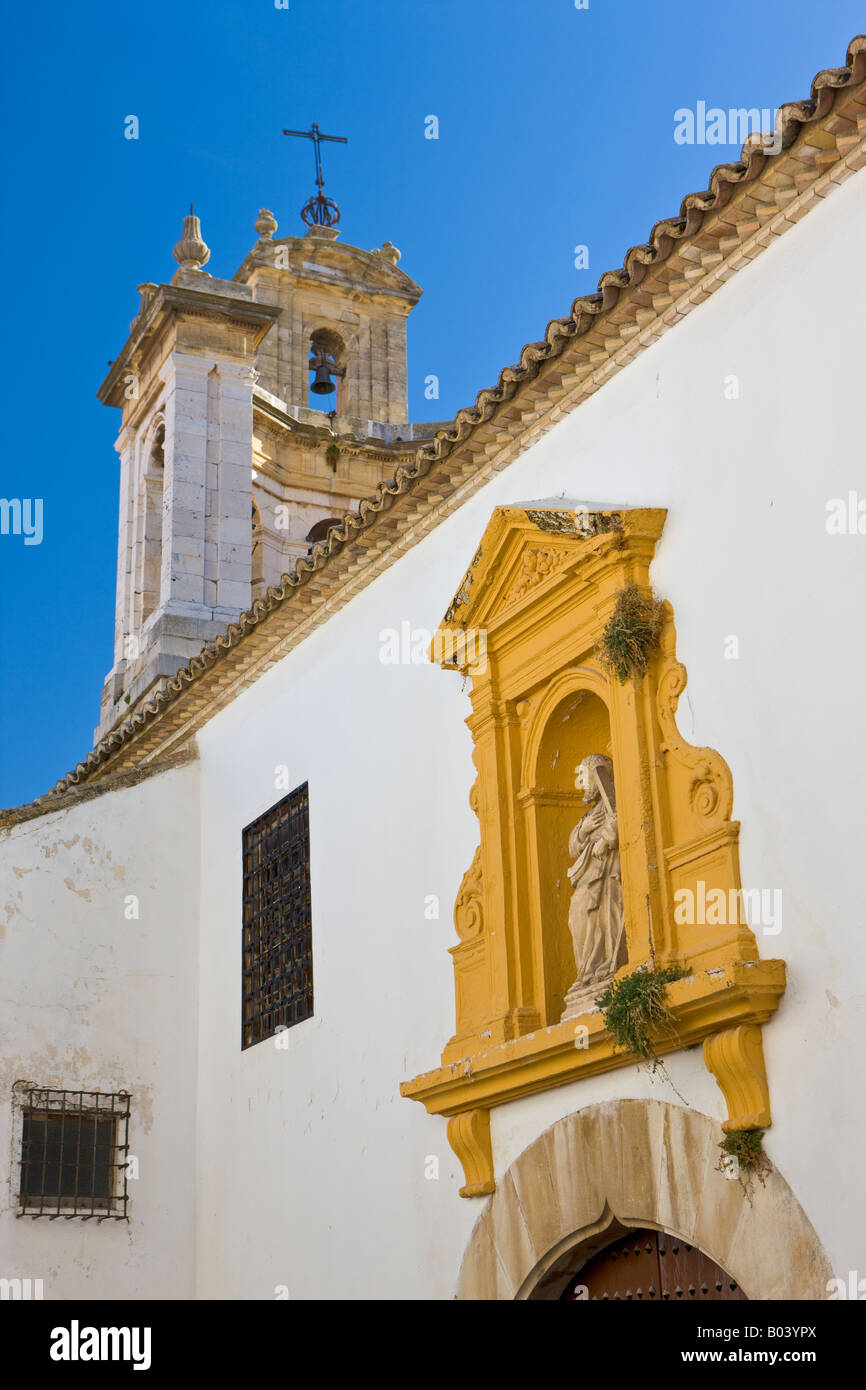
74	1154
277	989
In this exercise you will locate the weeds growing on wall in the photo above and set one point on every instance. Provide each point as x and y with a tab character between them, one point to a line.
635	1005
632	633
743	1157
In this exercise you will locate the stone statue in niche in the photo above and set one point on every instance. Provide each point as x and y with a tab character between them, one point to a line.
595	914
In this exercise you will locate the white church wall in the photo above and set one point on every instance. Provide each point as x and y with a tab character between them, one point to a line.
99	998
311	1167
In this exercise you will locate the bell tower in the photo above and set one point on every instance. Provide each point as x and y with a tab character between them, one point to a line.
256	413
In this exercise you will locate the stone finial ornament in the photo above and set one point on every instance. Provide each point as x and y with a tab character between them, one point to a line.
147	291
389	252
265	224
595	914
191	253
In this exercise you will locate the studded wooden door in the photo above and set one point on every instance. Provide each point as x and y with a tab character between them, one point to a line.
652	1265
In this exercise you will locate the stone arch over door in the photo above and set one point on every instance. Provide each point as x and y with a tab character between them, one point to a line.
630	1164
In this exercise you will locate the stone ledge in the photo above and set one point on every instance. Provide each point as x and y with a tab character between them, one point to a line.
703	1004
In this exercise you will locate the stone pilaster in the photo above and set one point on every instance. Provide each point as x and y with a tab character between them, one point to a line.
186	427
230	455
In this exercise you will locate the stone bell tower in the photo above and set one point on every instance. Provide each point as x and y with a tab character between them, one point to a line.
256	412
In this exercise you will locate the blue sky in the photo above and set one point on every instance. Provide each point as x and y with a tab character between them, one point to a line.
555	130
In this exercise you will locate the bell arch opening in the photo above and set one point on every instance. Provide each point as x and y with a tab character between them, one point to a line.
258	553
327	365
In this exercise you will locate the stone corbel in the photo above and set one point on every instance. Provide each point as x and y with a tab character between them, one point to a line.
469	1137
736	1060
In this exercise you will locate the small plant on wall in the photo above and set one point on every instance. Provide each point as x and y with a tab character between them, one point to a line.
632	633
636	1005
743	1158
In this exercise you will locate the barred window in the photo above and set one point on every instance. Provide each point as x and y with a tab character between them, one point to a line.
74	1154
277	926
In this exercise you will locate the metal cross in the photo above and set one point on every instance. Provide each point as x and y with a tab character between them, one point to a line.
317	137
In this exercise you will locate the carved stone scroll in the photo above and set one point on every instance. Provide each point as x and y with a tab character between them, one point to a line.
736	1060
469	1137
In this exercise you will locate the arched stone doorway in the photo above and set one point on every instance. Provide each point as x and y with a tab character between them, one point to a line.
628	1165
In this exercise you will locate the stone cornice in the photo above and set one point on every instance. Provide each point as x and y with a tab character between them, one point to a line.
314	436
375	275
702	1006
228	305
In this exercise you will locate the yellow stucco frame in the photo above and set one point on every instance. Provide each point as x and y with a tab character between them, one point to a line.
534	602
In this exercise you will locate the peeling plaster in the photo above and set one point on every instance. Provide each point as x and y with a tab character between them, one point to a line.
82	892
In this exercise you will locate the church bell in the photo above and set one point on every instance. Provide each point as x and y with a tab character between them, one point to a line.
325	367
323	385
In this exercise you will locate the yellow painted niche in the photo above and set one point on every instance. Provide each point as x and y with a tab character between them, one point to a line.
525	623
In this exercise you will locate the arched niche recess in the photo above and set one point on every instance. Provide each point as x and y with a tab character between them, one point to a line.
258	553
629	1164
573	721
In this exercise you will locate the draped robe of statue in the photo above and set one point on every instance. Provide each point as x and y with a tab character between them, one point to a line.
595	914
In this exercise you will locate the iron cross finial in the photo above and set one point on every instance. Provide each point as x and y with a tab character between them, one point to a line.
319	211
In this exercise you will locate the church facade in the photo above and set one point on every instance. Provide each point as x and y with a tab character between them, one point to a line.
420	740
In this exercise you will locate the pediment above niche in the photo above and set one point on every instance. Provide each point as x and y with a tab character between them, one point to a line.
524	548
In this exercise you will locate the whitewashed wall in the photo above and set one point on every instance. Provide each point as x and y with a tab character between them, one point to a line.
311	1166
95	1000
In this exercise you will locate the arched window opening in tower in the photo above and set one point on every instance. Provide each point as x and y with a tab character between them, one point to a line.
157	452
153	484
328	366
258	553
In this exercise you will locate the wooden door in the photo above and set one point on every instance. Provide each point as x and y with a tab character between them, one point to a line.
651	1265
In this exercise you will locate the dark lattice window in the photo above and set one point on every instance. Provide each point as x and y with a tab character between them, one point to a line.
74	1154
277	929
